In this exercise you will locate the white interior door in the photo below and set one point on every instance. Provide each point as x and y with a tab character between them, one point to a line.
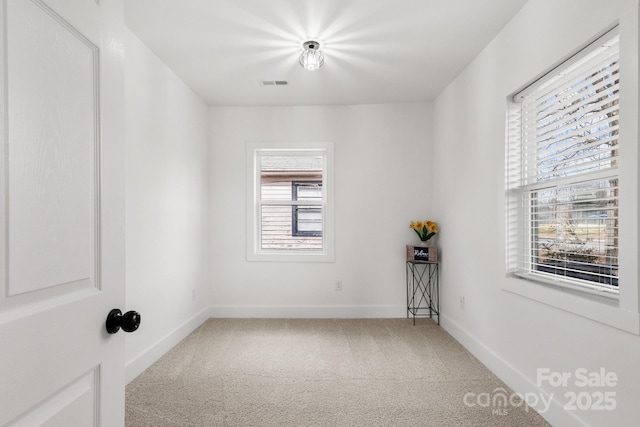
61	212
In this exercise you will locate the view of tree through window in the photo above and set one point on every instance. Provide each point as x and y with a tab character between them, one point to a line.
569	178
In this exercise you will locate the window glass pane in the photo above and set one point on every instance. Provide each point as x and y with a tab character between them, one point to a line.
578	131
574	231
278	172
278	228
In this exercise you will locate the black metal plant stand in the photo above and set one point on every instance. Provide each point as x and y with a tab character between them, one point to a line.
423	290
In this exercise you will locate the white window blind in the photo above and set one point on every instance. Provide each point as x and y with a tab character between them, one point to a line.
563	173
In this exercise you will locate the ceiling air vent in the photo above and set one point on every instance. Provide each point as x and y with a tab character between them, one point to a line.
274	82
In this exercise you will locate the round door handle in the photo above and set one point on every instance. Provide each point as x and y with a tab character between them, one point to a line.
129	322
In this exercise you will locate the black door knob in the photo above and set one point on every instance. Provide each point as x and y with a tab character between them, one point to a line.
129	322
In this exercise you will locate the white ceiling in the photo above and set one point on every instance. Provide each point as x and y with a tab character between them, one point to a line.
376	51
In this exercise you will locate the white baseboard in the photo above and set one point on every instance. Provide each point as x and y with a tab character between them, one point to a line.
309	312
556	415
148	357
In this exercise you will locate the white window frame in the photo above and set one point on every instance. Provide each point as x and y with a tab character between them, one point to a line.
621	311
254	249
553	166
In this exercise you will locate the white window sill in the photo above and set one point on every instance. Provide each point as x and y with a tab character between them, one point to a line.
290	257
602	310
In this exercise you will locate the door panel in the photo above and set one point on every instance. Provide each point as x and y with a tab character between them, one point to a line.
74	405
52	147
61	212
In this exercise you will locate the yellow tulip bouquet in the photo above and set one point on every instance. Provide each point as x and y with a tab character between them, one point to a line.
424	229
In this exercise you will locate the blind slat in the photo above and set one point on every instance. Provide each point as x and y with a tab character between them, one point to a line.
572	88
606	87
595	113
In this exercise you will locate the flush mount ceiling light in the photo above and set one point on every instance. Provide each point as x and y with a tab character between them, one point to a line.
311	59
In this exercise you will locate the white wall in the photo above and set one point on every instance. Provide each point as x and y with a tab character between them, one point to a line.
514	335
166	206
382	162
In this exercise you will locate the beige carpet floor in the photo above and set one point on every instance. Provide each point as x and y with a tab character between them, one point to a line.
318	372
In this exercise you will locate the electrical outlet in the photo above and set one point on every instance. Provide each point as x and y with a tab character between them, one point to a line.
462	302
338	285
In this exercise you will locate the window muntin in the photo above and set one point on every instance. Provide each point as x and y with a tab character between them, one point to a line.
563	177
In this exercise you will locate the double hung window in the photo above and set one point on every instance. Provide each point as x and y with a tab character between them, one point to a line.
289	205
563	173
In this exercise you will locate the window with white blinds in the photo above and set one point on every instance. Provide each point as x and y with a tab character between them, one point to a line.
563	173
